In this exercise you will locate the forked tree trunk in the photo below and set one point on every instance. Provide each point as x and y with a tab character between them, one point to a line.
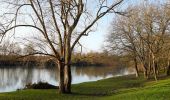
61	77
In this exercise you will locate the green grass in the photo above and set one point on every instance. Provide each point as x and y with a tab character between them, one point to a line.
120	88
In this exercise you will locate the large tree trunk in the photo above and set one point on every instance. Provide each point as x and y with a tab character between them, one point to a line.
68	78
61	77
67	68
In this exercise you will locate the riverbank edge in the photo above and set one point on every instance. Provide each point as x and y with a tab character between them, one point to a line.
116	88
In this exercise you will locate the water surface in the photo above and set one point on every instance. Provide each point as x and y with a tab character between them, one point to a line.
12	79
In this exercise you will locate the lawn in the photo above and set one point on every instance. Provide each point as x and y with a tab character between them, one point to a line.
119	88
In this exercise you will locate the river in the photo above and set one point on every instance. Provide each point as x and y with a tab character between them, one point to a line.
15	78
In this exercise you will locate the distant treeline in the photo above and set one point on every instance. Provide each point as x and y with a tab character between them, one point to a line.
14	60
94	58
89	59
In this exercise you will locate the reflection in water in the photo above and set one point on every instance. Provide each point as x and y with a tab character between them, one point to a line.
16	78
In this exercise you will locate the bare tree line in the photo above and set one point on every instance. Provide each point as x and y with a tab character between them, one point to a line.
144	34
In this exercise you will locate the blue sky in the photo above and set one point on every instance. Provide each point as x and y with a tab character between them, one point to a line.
95	41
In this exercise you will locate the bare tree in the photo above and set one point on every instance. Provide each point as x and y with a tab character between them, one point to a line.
142	34
61	23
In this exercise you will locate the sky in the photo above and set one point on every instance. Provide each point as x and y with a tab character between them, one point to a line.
95	40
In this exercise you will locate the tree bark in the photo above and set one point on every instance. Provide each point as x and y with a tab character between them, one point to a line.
67	67
61	77
136	67
154	67
157	68
168	69
68	78
145	72
150	66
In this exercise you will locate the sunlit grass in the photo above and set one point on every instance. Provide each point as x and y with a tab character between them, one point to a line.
120	88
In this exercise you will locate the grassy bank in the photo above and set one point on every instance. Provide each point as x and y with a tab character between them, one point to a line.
120	88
